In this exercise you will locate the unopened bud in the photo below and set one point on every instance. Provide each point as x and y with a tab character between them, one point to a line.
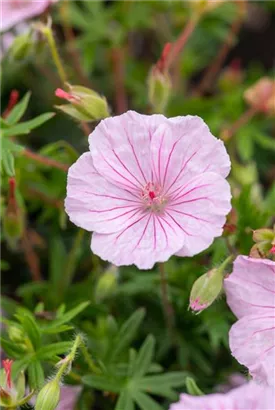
13	223
265	243
106	284
159	89
261	96
48	397
207	288
85	104
5	397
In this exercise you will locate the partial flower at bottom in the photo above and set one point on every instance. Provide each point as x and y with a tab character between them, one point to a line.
246	397
150	187
250	292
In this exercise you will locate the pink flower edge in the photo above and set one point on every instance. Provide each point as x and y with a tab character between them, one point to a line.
248	396
250	292
150	188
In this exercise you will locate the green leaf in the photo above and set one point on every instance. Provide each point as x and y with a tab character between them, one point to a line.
12	349
49	351
36	376
192	387
125	401
66	317
21	364
145	402
102	383
163	384
73	112
126	333
8	163
18	110
25	127
30	326
144	357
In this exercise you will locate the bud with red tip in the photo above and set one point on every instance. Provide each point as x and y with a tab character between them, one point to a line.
261	96
13	223
12	394
85	104
208	287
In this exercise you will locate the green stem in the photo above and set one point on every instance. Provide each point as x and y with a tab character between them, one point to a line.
56	58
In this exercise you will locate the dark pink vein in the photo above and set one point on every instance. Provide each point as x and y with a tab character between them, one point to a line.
128	227
124	166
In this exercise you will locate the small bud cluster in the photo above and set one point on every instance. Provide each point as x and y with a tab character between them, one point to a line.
265	243
85	104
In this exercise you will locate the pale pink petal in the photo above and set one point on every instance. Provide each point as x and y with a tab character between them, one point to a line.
95	204
200	209
182	148
15	11
250	289
120	148
252	343
147	240
249	396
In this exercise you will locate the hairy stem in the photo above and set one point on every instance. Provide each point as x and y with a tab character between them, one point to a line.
56	58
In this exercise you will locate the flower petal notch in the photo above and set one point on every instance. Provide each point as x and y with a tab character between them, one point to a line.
151	187
250	292
247	396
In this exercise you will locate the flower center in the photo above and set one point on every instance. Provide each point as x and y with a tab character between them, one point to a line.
153	197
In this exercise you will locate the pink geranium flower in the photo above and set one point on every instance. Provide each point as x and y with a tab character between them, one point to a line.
246	397
250	292
150	187
15	11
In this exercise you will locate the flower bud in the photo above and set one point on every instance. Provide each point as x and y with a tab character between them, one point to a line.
261	96
5	398
265	243
48	397
207	288
85	104
106	284
159	89
13	223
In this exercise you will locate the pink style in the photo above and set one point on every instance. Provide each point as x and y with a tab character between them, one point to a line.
249	396
250	292
149	188
16	11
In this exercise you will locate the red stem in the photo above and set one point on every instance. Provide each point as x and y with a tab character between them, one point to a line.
119	80
45	160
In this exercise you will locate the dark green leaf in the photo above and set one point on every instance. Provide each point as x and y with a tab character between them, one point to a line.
47	352
102	383
66	317
30	326
18	110
145	402
144	357
192	387
25	127
35	375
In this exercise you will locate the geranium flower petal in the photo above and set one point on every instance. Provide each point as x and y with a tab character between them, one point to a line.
182	148
147	240
95	204
250	289
252	343
120	148
200	208
249	396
